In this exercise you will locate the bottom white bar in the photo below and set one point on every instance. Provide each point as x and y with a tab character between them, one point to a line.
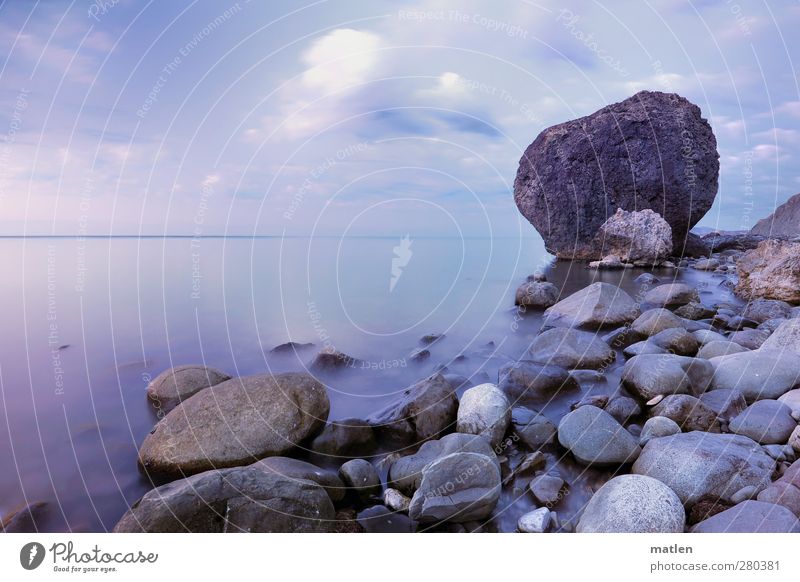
350	557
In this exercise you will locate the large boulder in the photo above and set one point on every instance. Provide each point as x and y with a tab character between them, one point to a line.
786	338
649	375
405	474
699	464
633	504
595	438
241	499
175	385
596	306
770	271
235	423
757	374
750	517
653	150
640	236
425	411
761	310
297	469
783	223
528	381
484	410
572	349
459	487
767	422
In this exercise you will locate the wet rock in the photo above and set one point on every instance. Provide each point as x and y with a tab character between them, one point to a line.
786	338
528	381
643	348
770	271
330	360
536	294
379	519
405	473
291	348
706	264
652	374
536	521
766	422
426	410
594	437
175	385
484	410
633	504
530	463
571	348
697	464
761	310
533	428
236	422
750	517
704	336
714	349
752	339
694	311
575	175
623	408
693	247
757	374
459	487
419	355
671	294
429	338
297	469
647	279
688	412
546	489
596	306
349	437
782	493
360	476
676	340
640	235
241	499
653	321
622	337
792	400
658	426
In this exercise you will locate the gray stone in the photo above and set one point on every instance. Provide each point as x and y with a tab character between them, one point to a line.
349	437
656	427
528	381
571	348
396	501
424	411
458	488
643	348
715	349
749	338
536	521
705	336
330	360
633	504
628	155
596	306
671	294
783	223
698	464
785	339
536	294
688	412
676	341
546	489
297	469
533	428
791	399
484	410
782	493
766	422
652	374
757	374
750	517
361	476
637	236
726	403
706	264
241	499
623	408
405	473
694	310
761	310
655	320
594	437
175	385
236	422
770	271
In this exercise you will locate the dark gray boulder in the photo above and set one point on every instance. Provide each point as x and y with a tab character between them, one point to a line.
175	385
653	150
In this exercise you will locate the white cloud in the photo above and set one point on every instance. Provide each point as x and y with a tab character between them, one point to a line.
340	60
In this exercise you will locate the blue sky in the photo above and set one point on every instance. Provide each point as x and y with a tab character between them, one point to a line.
361	117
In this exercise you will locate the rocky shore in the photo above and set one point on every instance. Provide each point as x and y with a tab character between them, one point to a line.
695	430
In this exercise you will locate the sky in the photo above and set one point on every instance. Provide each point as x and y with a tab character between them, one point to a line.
362	118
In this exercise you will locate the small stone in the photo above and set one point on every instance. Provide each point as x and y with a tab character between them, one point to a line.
484	410
658	426
360	475
744	494
536	294
536	521
546	489
395	500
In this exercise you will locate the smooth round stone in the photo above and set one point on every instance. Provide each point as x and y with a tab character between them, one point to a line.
704	336
633	504
361	476
571	349
536	521
350	437
643	348
671	294
714	349
791	399
533	428
594	437
766	422
786	338
726	403
757	374
546	489
650	375
525	381
623	408
656	427
676	340
395	500
653	321
484	410
751	517
782	493
175	385
536	294
596	306
689	412
297	469
694	311
752	339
